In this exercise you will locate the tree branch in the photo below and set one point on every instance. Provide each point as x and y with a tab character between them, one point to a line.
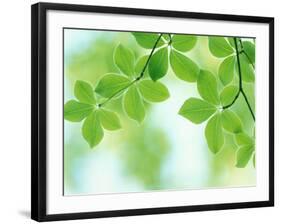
137	79
247	56
240	84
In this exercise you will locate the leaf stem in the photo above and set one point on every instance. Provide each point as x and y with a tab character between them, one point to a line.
116	93
240	90
149	57
137	79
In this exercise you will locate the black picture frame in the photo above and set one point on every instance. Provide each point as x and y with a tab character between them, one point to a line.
39	121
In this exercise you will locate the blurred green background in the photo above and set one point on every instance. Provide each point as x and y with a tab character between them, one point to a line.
166	152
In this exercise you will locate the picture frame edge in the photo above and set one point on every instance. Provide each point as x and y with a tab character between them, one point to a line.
39	122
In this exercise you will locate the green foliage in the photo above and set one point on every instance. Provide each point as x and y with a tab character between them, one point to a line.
140	65
248	73
246	150
228	94
158	65
183	67
92	130
153	91
243	155
109	120
124	60
133	104
249	49
226	70
76	111
183	42
243	139
138	82
83	91
147	40
207	87
230	121
219	47
110	84
231	41
214	133
197	110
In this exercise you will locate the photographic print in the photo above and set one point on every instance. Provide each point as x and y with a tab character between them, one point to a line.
157	111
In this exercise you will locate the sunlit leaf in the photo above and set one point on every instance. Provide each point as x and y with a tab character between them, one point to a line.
109	120
231	41
92	130
158	64
226	70
84	92
230	121
183	42
147	40
183	67
244	139
248	73
228	94
214	134
243	155
124	60
76	111
153	91
207	87
219	47
110	84
133	104
249	49
197	110
166	37
140	66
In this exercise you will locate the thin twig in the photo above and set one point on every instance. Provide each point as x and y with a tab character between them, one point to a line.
137	79
240	90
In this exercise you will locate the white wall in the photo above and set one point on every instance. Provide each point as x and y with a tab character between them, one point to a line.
15	110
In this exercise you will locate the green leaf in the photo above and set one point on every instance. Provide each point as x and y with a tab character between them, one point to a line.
197	110
226	70
110	84
231	41
219	47
133	104
183	67
254	160
243	139
147	40
153	91
228	94
243	155
214	134
158	64
92	130
248	73
166	37
109	120
76	111
183	42
124	60
207	87
140	65
249	49
84	92
231	122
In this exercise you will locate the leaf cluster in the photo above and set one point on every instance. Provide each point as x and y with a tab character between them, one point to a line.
138	82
